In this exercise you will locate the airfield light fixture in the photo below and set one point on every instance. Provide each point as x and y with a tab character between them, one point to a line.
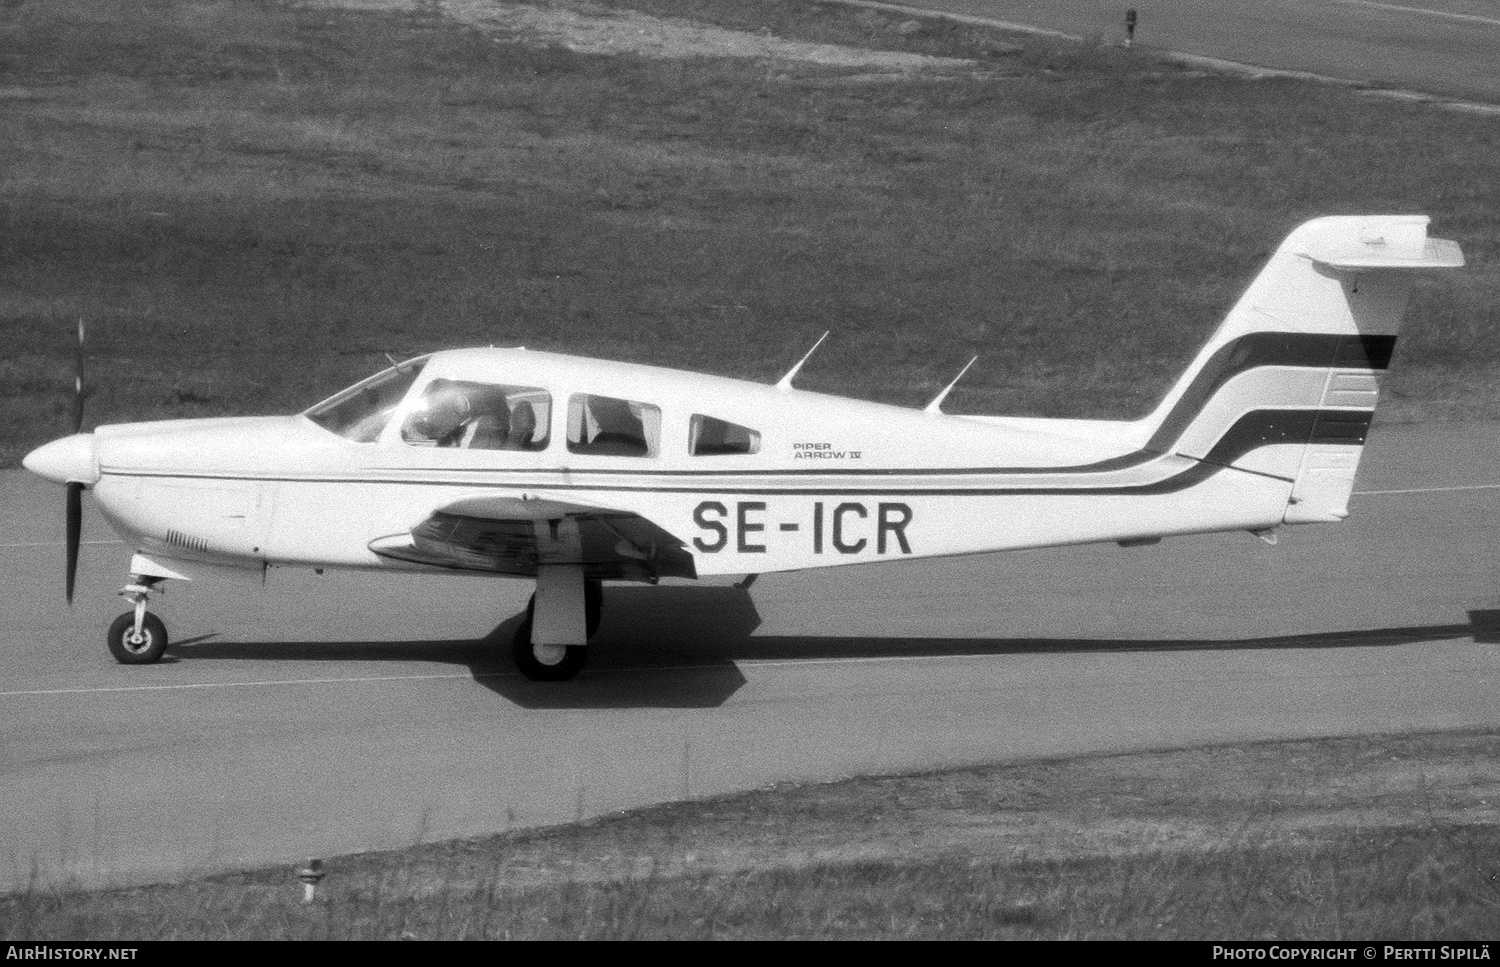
310	875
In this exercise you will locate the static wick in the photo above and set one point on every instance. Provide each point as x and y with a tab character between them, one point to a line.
1130	27
310	875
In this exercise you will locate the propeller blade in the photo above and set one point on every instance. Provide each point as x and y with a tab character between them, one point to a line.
75	527
78	382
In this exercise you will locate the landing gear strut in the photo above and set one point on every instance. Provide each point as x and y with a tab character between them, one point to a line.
138	637
556	663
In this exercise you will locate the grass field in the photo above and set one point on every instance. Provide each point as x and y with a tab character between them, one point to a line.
1390	839
251	202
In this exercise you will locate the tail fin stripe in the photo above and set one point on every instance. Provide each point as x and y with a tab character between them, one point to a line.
1341	426
1355	352
1269	427
1257	349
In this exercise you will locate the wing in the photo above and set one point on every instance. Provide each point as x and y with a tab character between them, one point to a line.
509	535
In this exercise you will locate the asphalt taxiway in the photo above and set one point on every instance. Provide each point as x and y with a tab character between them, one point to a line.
308	716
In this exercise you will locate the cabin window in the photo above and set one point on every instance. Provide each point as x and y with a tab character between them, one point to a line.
479	416
606	426
710	437
360	412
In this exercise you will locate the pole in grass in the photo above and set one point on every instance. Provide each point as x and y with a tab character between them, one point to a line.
1129	26
310	875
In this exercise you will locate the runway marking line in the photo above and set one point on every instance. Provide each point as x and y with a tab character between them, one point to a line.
1444	14
274	681
369	679
56	543
1426	490
477	676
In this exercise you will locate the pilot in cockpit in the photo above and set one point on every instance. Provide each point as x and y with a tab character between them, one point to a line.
455	415
441	417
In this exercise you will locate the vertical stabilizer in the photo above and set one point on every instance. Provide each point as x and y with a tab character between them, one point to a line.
1288	384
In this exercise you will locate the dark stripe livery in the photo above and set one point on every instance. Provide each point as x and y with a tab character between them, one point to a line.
1268	349
1251	431
1258	428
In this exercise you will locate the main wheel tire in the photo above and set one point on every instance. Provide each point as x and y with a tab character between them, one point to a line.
148	649
524	653
593	604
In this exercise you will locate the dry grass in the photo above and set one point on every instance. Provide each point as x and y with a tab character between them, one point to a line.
1388	838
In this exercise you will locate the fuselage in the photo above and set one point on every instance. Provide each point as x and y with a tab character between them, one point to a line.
749	478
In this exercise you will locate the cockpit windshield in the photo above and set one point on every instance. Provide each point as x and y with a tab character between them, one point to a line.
360	412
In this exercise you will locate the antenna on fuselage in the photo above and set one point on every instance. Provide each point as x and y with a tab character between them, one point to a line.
936	406
397	363
786	381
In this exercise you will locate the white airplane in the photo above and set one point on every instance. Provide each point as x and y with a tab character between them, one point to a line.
573	471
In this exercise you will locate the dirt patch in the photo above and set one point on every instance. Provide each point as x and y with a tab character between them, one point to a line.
588	29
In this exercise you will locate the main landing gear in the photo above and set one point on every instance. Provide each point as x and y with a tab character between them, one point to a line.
138	637
556	663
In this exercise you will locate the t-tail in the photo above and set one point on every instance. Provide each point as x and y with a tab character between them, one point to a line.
1287	385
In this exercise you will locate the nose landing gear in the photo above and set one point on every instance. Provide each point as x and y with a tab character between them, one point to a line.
138	637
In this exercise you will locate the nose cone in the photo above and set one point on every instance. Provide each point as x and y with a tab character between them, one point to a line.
69	460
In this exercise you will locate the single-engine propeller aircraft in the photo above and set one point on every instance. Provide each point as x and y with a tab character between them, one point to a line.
571	471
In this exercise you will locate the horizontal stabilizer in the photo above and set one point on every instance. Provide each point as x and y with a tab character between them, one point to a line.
1389	243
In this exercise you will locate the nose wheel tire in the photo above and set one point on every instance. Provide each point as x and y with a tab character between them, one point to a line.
132	649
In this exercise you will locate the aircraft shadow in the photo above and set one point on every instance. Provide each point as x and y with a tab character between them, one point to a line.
488	660
678	647
1486	627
